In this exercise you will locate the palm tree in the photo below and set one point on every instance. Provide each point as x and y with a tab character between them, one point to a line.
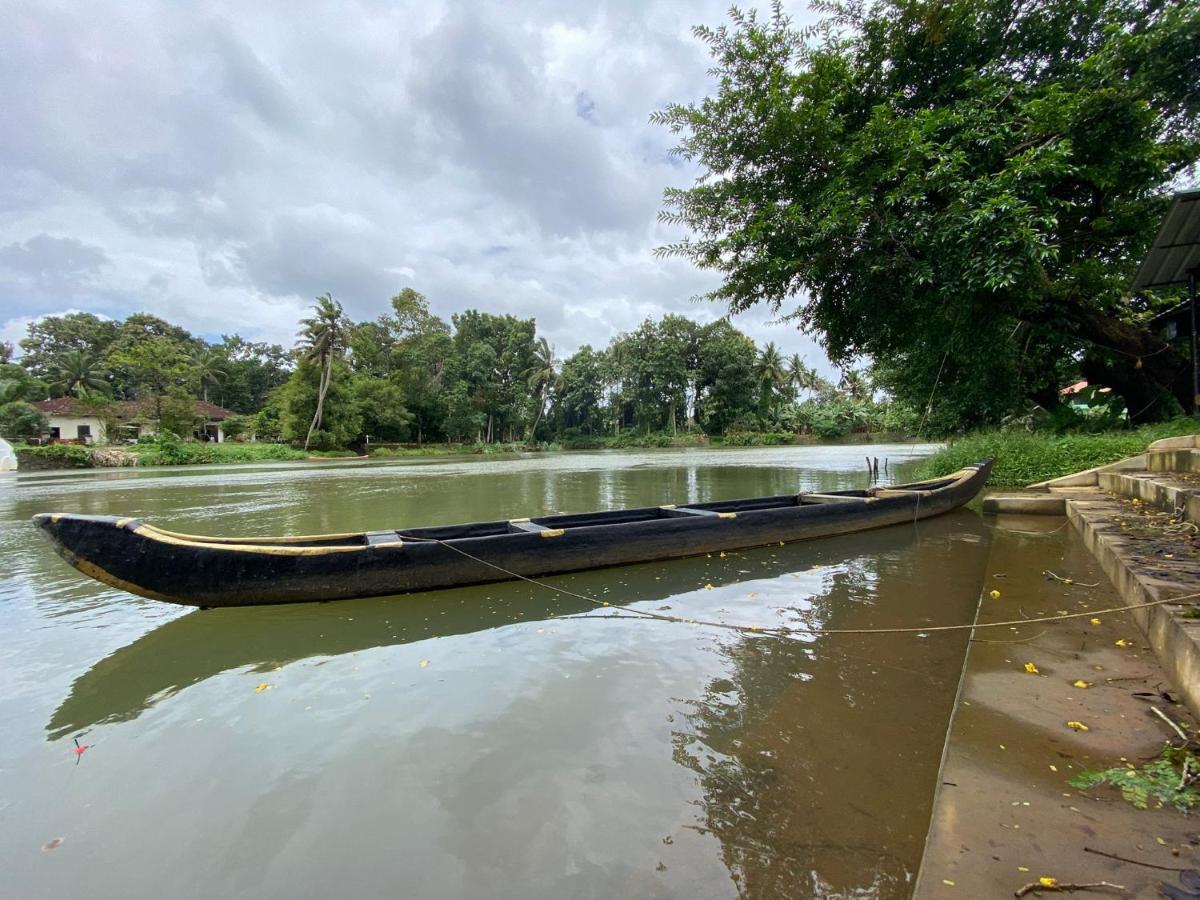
76	370
771	375
210	366
543	376
855	384
325	336
799	376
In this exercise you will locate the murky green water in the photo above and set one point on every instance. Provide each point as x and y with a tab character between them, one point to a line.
485	742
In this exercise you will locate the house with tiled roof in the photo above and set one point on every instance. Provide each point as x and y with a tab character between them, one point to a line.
72	419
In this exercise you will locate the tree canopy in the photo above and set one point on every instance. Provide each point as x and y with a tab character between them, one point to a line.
958	189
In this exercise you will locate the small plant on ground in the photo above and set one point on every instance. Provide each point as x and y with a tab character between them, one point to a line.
1167	780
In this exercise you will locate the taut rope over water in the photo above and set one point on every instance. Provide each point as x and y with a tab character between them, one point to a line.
626	613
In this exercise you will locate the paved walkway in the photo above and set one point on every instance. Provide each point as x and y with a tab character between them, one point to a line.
1005	815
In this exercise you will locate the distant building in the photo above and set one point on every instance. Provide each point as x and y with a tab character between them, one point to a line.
73	420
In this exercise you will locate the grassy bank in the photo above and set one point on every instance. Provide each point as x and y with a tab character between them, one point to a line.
179	453
1026	457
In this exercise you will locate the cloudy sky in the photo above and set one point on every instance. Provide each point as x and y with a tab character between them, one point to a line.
221	163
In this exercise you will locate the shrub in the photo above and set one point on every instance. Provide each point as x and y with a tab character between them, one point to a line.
1025	457
19	419
54	456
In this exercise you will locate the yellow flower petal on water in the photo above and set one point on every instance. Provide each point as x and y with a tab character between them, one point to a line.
1077	726
1080	684
1031	668
1047	881
423	663
1094	621
995	595
263	687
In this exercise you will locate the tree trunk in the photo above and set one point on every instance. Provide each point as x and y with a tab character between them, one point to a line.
322	387
1144	370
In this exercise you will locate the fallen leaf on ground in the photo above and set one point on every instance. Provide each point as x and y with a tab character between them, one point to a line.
1094	621
1047	881
1031	669
263	686
1121	642
52	844
708	587
995	595
1077	726
423	663
1080	683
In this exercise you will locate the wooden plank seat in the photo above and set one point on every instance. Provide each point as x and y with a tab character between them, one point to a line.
681	511
383	538
804	499
524	525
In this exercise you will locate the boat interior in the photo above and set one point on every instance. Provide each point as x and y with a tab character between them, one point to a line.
554	525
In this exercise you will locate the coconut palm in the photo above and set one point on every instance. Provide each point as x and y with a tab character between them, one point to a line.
771	374
855	384
543	377
801	377
75	371
211	368
325	336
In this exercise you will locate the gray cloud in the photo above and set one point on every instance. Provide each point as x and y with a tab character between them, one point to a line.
222	163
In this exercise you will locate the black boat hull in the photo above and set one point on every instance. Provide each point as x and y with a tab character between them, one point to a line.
212	572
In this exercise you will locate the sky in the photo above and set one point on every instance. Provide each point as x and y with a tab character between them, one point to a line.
219	164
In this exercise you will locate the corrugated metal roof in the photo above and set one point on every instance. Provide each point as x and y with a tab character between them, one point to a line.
1176	250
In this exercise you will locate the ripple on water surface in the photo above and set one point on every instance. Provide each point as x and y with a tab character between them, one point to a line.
495	741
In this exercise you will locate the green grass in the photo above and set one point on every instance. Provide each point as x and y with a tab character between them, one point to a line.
54	456
1026	457
192	454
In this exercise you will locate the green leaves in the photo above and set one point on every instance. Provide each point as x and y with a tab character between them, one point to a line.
1162	780
924	180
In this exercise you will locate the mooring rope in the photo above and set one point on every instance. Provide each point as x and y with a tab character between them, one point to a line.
787	631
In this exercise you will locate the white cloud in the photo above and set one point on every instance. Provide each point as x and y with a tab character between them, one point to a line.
220	164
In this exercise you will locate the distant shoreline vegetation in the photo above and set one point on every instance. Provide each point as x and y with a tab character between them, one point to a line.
410	377
170	451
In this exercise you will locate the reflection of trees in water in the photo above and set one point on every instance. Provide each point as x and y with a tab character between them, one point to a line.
817	759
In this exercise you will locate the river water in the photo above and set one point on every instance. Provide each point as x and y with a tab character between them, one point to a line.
490	742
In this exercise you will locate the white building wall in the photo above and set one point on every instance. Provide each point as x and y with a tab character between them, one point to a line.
68	427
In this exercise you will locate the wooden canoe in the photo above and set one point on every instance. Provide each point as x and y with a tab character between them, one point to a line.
222	571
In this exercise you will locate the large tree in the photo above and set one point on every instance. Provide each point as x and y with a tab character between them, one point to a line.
960	189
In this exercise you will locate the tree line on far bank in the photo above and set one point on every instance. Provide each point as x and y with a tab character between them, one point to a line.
411	377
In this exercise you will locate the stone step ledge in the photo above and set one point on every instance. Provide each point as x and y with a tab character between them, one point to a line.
1157	489
1175	639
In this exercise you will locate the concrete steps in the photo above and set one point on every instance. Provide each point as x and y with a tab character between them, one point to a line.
1142	578
1162	489
1165	477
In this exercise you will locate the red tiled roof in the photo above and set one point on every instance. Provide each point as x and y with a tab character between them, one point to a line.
124	409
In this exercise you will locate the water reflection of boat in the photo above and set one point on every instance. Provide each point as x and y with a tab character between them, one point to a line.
211	572
202	645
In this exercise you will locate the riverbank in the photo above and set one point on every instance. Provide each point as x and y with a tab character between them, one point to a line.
1023	457
1039	704
191	453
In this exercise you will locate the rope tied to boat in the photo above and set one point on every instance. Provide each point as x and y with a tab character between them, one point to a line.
791	631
